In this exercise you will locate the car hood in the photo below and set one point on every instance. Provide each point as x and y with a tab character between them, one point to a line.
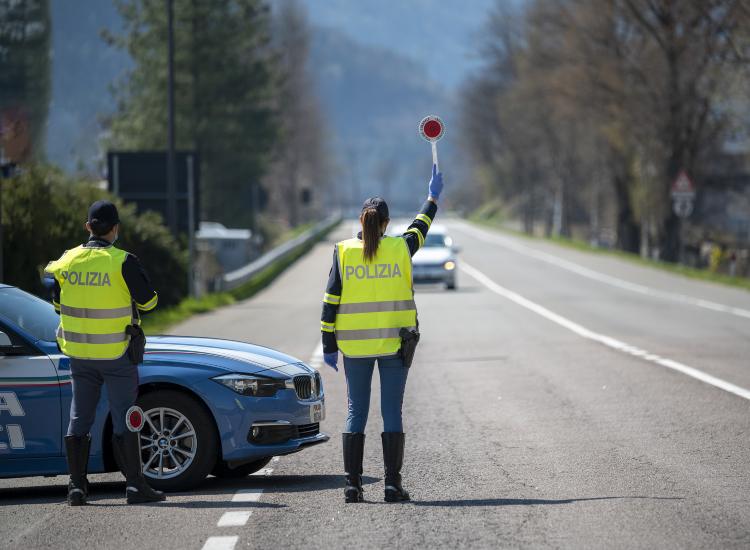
226	355
430	256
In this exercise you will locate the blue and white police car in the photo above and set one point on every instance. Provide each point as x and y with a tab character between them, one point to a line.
210	406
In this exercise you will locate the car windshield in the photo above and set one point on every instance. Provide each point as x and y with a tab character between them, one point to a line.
28	312
435	240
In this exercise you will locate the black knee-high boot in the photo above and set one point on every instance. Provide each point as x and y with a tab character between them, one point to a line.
393	457
128	456
77	452
354	446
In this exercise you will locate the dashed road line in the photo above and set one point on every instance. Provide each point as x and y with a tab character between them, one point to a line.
221	543
248	495
601	338
235	518
239	518
601	277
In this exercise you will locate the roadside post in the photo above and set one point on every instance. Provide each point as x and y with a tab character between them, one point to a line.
683	202
432	129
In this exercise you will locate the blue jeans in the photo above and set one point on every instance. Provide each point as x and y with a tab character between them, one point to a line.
392	384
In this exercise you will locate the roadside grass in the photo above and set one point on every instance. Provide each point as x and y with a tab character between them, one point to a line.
160	321
577	244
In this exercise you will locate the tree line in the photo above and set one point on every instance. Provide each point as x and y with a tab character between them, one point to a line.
587	110
244	102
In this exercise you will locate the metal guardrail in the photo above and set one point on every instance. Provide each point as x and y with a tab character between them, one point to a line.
235	278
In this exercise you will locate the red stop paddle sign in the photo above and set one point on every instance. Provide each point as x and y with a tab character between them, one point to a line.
431	128
134	418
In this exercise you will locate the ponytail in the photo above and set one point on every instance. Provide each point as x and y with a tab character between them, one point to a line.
371	224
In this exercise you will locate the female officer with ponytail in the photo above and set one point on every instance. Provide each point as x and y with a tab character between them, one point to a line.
368	301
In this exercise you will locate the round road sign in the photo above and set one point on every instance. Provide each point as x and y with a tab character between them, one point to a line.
431	128
683	207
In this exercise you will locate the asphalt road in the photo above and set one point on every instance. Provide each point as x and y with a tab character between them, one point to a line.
558	399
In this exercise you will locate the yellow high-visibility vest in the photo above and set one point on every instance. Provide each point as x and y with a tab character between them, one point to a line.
95	303
377	298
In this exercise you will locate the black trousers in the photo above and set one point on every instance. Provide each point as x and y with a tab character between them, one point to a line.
121	378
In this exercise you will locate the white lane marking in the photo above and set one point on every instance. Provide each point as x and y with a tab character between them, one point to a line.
601	338
234	519
601	277
316	359
220	543
248	495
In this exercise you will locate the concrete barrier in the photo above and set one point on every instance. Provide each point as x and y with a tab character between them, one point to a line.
235	278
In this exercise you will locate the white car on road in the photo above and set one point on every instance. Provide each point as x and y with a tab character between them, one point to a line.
436	261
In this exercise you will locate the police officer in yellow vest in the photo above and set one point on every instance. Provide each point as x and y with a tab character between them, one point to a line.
99	290
369	299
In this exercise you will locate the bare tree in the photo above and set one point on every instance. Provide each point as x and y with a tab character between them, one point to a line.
301	164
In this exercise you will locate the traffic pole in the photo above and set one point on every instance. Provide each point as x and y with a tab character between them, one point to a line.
1	228
171	187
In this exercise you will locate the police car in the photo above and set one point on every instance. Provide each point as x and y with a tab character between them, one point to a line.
210	406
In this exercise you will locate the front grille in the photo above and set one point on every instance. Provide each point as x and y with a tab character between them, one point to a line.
303	386
308	430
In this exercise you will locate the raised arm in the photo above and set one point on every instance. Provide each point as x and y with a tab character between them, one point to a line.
417	231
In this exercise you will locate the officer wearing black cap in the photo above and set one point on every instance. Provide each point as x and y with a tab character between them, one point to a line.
99	291
369	315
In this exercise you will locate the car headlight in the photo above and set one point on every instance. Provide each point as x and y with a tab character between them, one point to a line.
450	265
255	386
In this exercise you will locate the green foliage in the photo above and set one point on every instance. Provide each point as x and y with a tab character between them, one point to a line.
25	75
162	318
224	93
492	210
44	213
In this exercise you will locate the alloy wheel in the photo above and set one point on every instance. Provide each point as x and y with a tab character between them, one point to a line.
168	443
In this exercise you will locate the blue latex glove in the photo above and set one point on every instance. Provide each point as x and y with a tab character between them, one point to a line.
330	359
436	183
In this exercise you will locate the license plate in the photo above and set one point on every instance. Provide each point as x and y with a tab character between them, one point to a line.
317	412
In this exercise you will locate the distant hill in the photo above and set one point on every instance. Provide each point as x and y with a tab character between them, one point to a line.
375	99
374	66
442	36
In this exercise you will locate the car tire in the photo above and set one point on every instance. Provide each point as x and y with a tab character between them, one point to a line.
204	443
222	471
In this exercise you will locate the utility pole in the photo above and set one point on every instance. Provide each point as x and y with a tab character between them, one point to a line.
171	186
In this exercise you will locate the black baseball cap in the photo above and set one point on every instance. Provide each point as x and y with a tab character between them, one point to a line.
103	214
379	204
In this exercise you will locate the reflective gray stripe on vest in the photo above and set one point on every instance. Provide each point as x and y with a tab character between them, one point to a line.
88	313
378	307
81	338
369	333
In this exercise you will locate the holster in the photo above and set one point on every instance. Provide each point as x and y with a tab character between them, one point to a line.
137	346
409	341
